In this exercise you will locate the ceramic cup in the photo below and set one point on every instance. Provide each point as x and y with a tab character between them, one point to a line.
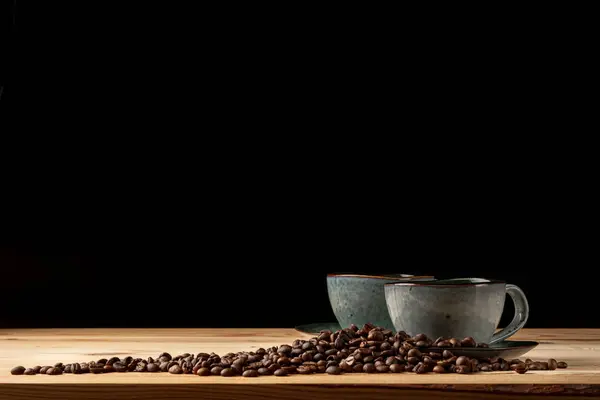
455	308
360	299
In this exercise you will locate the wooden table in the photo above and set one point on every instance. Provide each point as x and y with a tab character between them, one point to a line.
579	348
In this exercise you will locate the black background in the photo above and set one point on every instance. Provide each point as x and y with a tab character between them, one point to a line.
211	173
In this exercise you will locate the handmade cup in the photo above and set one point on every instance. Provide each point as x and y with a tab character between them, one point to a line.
360	299
455	308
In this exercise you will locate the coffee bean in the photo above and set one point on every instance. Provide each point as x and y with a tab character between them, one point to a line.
447	354
396	368
141	367
152	367
369	368
454	342
290	369
413	360
438	369
534	366
307	346
520	368
250	373
118	367
108	368
420	368
283	360
375	336
468	342
29	371
280	372
552	364
331	352
175	369
17	370
203	371
382	368
414	353
284	349
420	336
304	370
561	364
227	372
333	370
358	367
462	369
462	360
112	360
391	360
216	370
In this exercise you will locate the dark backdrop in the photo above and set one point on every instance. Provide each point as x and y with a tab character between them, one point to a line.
212	171
262	266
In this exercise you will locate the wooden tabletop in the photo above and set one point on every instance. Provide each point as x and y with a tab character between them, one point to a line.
580	348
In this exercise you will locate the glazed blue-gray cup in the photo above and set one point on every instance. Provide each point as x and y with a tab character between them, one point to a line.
455	308
360	299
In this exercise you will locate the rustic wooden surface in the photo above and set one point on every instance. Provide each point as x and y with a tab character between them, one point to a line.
579	348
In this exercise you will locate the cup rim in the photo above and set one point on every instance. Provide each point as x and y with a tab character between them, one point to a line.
440	283
401	276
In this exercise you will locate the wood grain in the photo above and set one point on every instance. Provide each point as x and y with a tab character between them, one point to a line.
579	348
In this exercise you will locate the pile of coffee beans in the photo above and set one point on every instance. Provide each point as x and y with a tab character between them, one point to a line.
369	349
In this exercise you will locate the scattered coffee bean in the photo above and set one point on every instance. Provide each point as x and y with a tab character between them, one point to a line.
333	370
382	368
462	369
176	369
250	373
439	369
462	360
368	349
520	368
17	370
369	368
44	369
396	368
152	367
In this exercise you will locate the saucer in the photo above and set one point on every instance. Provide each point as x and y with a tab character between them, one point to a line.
507	349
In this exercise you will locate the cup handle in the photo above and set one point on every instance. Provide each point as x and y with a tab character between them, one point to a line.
521	314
